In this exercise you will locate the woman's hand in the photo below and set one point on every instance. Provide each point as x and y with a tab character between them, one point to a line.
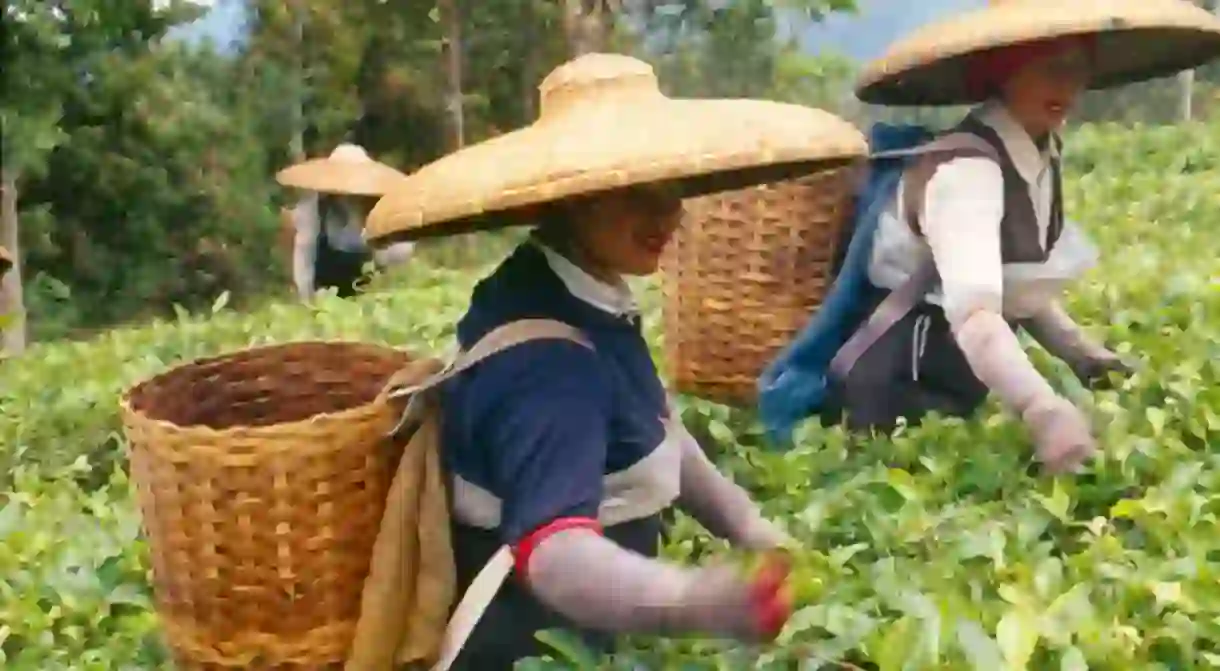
753	609
599	585
1062	436
1063	338
1099	372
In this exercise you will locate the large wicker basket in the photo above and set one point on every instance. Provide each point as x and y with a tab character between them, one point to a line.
743	275
262	478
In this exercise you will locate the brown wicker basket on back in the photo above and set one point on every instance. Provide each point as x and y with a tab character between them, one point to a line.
743	275
261	477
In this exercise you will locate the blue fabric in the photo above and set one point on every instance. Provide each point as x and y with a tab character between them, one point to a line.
541	424
794	385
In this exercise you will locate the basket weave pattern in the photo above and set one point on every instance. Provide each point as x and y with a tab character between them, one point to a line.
261	477
742	277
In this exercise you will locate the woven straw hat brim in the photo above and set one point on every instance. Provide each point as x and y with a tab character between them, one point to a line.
1137	40
700	146
352	178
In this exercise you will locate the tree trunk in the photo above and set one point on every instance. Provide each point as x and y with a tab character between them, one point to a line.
587	25
12	305
530	69
452	50
297	146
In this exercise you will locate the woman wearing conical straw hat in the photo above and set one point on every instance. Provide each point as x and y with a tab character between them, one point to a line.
328	250
992	216
567	452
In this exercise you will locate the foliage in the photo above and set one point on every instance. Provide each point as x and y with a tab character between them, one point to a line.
147	168
933	549
169	199
137	179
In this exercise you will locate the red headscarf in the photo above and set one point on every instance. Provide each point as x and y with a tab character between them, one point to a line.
989	70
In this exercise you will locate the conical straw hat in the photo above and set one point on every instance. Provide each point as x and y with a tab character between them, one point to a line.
605	124
1136	40
348	171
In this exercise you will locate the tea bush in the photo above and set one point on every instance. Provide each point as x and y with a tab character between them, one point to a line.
932	549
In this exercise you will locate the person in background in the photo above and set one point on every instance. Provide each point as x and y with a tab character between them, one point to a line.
991	220
572	455
328	249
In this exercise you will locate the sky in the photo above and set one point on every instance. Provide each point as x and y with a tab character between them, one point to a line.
222	24
876	23
859	36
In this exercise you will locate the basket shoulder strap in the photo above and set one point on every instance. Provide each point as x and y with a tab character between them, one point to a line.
479	595
483	589
889	312
498	340
960	144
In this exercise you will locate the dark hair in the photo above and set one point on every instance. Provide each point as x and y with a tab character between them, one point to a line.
553	223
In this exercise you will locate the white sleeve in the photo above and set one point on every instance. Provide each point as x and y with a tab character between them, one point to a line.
963	208
304	245
394	254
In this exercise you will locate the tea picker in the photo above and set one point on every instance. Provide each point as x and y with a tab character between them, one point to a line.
959	238
564	453
328	251
325	504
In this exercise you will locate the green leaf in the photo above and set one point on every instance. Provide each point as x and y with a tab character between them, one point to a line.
981	650
1017	636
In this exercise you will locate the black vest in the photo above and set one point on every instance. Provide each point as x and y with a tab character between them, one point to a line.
336	268
1020	239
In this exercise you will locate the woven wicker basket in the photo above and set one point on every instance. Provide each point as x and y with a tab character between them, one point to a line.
262	477
742	277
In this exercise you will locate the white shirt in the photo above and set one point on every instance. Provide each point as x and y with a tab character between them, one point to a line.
964	205
617	299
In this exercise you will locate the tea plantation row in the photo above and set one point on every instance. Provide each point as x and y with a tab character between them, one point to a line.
934	549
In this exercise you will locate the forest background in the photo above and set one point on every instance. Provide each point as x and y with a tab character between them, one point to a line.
138	155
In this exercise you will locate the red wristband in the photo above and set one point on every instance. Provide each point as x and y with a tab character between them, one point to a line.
526	546
770	599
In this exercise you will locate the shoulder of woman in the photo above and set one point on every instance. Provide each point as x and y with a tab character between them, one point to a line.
538	365
968	175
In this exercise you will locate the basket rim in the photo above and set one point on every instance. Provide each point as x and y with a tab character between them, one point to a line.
131	414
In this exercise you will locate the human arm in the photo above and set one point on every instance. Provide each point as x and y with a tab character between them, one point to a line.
394	254
961	221
1063	338
547	432
304	244
724	508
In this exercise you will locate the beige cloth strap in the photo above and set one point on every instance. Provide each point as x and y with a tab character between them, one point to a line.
486	585
930	157
474	603
499	339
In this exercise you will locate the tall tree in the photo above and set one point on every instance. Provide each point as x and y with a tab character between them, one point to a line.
49	49
451	18
588	24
